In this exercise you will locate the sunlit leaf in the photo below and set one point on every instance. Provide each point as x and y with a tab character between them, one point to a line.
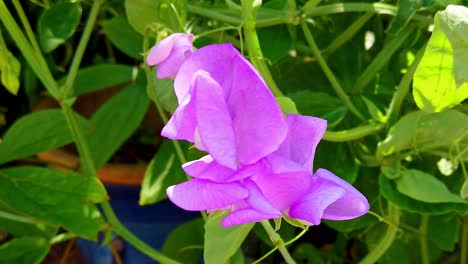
435	87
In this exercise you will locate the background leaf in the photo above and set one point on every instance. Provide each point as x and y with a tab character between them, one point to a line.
94	78
56	197
421	131
36	132
124	37
185	243
116	120
444	231
390	192
425	187
24	250
57	24
163	171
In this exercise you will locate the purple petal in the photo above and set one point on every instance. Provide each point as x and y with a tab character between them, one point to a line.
251	104
182	124
353	204
214	120
198	195
244	216
259	124
207	168
304	134
311	207
255	209
170	53
283	189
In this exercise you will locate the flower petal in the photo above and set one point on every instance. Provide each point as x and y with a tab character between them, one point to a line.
311	207
256	210
259	124
304	134
198	195
207	168
244	216
351	205
283	189
214	120
170	53
251	104
182	124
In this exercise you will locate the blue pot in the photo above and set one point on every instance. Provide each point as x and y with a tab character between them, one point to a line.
152	224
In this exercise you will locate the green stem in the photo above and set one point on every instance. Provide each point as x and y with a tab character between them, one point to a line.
253	45
214	14
43	73
90	171
388	238
27	27
464	242
352	134
378	8
381	59
278	242
67	91
331	77
404	87
423	239
347	34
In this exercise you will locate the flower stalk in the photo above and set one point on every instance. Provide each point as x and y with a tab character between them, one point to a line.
278	242
253	45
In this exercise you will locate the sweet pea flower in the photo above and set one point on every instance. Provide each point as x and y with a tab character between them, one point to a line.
170	53
225	108
279	184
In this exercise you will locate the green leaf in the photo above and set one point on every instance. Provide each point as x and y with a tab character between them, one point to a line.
444	231
57	197
57	24
337	158
25	250
464	190
351	225
222	243
102	76
124	37
320	105
275	42
307	253
116	120
389	191
434	85
425	187
420	131
163	171
454	23
19	226
374	111
36	132
287	105
406	10
162	91
10	68
185	243
143	14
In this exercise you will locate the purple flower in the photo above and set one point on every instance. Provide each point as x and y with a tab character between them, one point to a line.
279	184
170	53
259	163
225	108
